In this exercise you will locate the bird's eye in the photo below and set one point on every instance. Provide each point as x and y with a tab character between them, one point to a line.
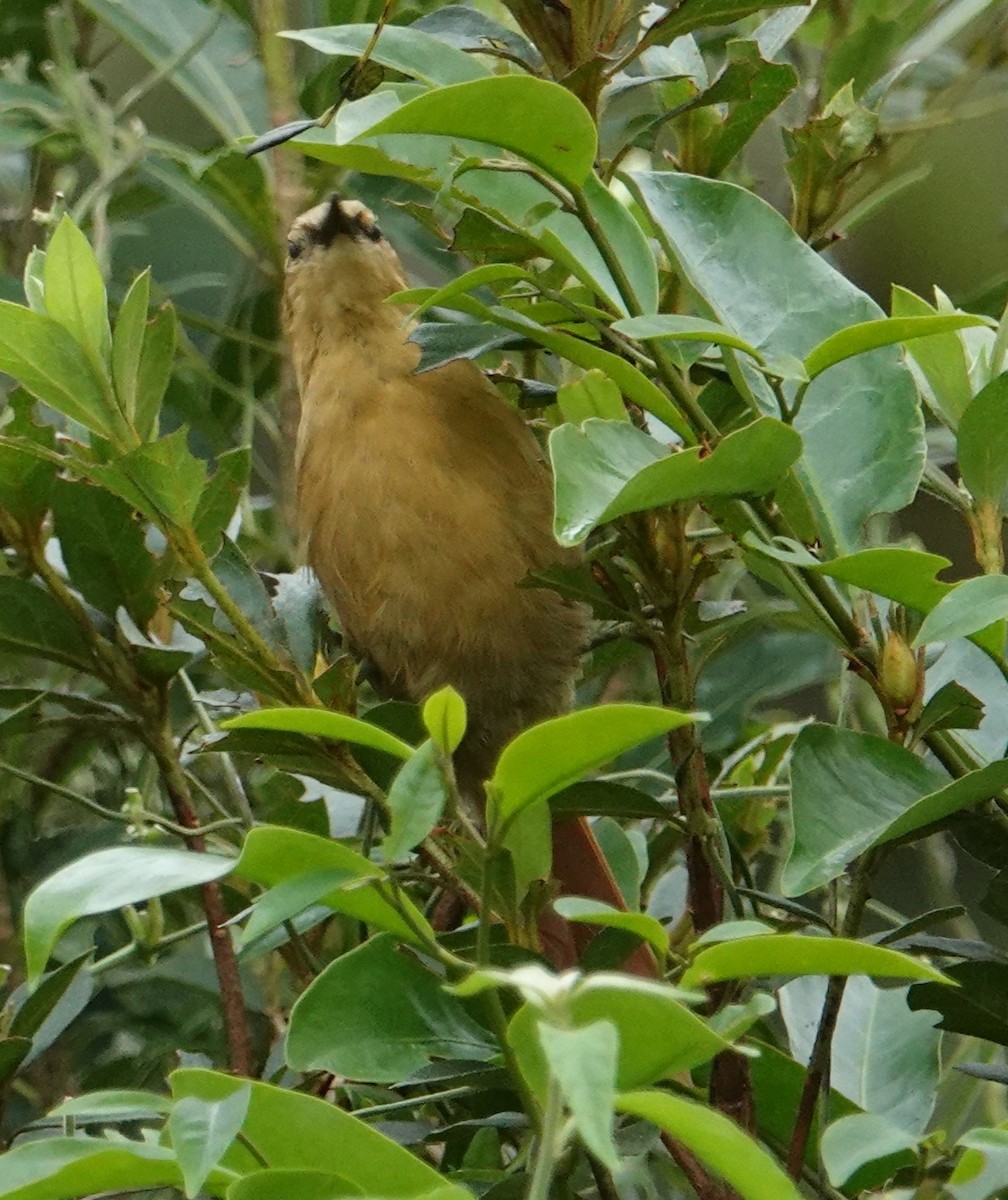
374	233
294	249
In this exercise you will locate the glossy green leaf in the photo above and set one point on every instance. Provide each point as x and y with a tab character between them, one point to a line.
658	1034
982	439
906	576
847	788
104	880
941	361
853	1142
415	801
546	758
886	331
40	354
75	292
201	1131
798	954
716	1140
288	1182
607	469
426	298
582	910
319	722
582	1061
112	1104
128	343
33	623
675	327
213	56
444	718
417	1020
291	1129
540	121
860	424
403	48
64	1168
273	854
969	607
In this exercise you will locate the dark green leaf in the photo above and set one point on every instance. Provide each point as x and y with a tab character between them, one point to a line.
26	480
698	14
103	548
162	479
976	1007
445	341
417	1019
32	622
951	707
220	497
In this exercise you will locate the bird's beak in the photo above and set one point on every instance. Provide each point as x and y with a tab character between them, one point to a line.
334	224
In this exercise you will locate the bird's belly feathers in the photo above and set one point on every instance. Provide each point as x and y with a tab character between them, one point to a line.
420	536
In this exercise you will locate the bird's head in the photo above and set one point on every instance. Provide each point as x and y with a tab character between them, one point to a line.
338	265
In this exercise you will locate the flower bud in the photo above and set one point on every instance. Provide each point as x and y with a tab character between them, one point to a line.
899	673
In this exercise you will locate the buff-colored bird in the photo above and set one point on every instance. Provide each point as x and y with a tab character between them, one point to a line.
424	501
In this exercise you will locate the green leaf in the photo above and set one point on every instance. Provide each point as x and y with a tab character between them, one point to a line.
658	1035
983	444
426	298
201	1131
415	800
26	479
969	607
799	954
546	758
211	55
289	1181
606	469
593	395
674	327
629	245
716	1140
42	356
273	854
162	479
444	717
847	788
417	1020
105	880
219	499
403	48
291	898
886	331
540	121
75	292
319	722
32	622
64	1168
291	1129
128	343
112	1104
982	1171
860	424
887	1058
30	1011
906	576
104	550
976	1007
154	370
583	1063
940	360
854	1142
594	912
753	88
698	14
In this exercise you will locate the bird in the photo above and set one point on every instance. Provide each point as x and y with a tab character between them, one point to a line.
424	501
